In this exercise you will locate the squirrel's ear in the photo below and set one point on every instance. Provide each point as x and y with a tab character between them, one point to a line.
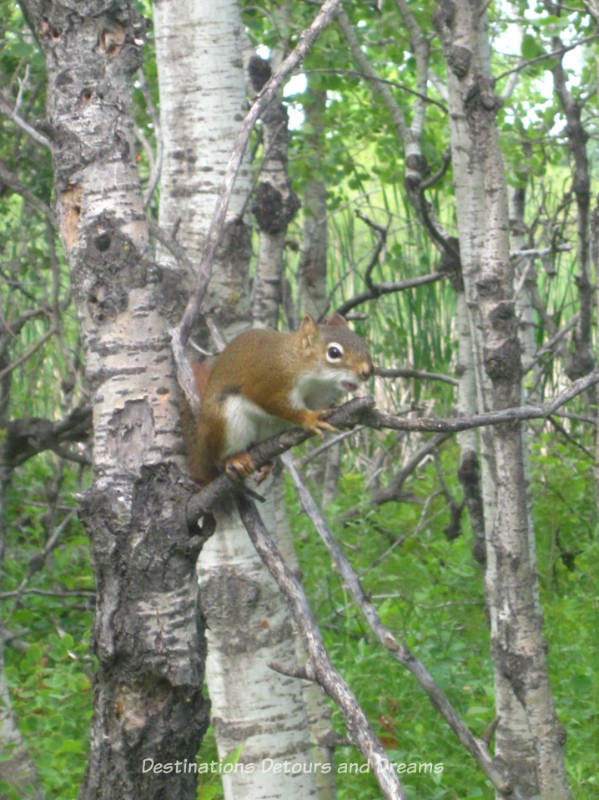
337	319
308	331
308	327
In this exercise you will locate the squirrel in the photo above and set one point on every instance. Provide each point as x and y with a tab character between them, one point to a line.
265	381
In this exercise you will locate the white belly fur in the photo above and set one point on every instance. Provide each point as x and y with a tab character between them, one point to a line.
248	424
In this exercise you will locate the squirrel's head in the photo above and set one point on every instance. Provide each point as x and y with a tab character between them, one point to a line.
340	355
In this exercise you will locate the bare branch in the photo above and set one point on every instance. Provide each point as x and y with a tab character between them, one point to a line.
405	372
399	652
7	109
30	351
157	161
359	730
392	490
355	73
174	248
387	287
552	54
28	437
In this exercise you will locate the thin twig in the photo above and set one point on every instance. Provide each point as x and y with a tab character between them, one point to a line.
34	134
552	54
388	287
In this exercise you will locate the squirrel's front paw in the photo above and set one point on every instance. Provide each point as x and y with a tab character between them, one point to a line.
314	423
239	466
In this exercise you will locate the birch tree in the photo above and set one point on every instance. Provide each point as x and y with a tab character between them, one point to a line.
529	737
148	701
202	90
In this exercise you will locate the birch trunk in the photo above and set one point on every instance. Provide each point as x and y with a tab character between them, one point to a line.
199	53
148	705
529	738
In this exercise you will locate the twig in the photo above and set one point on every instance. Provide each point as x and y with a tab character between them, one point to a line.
552	54
355	73
337	439
404	372
37	562
28	353
157	165
34	134
549	346
387	287
392	490
520	413
174	248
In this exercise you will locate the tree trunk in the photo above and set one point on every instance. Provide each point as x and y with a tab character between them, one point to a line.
529	738
148	705
199	49
312	279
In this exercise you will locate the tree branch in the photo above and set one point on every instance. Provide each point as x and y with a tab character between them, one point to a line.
400	652
361	411
34	134
358	728
387	287
28	437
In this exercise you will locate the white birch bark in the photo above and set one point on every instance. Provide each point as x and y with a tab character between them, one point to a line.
528	738
199	52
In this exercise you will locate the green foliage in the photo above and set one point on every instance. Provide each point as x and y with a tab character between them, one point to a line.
49	671
429	591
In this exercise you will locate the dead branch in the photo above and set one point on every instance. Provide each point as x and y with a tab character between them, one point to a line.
400	652
387	287
358	728
28	437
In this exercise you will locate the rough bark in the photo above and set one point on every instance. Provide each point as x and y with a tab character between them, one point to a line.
148	700
274	202
312	284
529	738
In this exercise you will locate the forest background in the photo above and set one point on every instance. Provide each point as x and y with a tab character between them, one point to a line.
398	502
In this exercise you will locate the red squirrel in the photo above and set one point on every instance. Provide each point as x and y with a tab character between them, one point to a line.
265	381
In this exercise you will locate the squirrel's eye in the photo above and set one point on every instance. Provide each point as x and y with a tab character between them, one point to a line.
334	352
